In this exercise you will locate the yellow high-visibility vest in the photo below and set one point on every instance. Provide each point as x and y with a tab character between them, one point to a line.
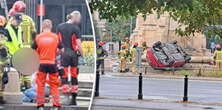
218	55
133	53
16	42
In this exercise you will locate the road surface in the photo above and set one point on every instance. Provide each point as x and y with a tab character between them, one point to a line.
159	94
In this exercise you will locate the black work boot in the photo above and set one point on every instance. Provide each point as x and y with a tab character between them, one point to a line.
73	100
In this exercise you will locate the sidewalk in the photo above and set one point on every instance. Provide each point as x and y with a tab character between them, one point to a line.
124	104
86	77
118	91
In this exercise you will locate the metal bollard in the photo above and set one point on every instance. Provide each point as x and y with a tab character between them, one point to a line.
140	94
97	85
185	97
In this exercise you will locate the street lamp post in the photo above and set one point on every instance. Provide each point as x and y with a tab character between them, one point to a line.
41	17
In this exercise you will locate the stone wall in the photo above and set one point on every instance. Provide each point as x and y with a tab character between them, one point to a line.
153	29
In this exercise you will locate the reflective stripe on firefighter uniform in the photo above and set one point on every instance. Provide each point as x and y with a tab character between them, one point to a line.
133	55
101	53
123	57
218	59
28	27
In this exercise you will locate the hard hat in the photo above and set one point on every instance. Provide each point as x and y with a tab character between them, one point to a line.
136	44
127	38
101	43
19	6
2	20
218	46
11	12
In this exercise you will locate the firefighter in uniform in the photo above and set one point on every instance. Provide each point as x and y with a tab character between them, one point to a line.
3	54
14	41
144	46
218	57
123	58
70	35
28	29
46	44
27	24
101	54
127	44
133	55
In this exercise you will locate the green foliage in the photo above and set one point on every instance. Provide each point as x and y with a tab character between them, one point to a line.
195	15
120	28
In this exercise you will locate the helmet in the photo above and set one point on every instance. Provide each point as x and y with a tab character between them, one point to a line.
135	44
2	20
218	46
11	12
126	38
123	47
101	43
19	6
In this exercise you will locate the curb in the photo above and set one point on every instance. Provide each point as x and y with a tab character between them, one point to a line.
170	77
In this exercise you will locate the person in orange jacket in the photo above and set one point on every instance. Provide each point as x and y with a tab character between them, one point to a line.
46	44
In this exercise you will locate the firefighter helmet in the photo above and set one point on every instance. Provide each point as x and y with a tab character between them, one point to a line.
11	12
101	43
136	44
123	47
2	20
218	46
19	6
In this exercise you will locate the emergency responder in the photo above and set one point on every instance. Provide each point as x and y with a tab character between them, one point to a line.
3	53
14	40
127	43
144	46
218	57
133	55
27	24
123	57
71	38
46	44
101	54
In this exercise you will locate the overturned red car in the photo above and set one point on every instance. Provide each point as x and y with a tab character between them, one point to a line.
163	55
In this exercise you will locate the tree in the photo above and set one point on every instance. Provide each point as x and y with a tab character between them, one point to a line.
120	28
193	15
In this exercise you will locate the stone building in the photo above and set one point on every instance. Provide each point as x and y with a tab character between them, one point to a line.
153	29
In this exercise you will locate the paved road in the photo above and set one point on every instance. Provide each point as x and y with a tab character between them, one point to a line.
120	93
169	89
114	104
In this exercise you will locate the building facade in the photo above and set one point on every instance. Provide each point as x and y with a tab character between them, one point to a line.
153	29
